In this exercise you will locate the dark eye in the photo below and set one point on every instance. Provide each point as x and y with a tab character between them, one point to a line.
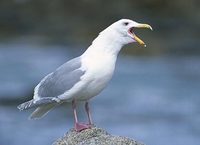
126	23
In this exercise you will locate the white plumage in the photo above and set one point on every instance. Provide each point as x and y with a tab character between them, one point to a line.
85	76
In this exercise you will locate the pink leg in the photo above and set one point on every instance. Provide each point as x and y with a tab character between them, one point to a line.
88	113
78	126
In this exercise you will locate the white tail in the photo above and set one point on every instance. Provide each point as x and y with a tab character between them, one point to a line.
42	111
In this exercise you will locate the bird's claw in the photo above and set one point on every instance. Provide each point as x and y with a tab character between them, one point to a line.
81	126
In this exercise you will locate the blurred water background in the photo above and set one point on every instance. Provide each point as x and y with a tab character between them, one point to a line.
154	95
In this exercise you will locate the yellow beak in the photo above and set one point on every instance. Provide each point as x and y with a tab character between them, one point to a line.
137	38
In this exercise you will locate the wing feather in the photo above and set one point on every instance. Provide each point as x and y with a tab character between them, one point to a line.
62	80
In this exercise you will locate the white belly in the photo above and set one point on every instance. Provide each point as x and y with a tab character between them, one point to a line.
95	85
98	74
91	84
98	69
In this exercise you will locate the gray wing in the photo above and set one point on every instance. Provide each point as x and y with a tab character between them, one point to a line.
63	79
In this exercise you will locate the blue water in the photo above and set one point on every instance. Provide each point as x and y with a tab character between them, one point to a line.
152	99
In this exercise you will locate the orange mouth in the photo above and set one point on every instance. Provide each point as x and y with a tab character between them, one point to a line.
136	38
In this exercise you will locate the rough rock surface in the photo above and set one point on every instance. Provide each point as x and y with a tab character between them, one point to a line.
94	136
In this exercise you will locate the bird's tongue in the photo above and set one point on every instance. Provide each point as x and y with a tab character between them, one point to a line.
137	39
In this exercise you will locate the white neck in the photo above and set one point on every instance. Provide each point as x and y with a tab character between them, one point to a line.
105	43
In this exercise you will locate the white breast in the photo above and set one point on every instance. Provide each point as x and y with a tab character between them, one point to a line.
99	70
98	62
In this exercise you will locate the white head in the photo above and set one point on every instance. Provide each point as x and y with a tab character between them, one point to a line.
122	32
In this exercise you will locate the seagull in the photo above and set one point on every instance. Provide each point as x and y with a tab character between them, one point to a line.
84	77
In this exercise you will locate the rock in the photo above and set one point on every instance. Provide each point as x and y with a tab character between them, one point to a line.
94	136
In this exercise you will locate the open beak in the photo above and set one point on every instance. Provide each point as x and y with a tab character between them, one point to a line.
136	38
